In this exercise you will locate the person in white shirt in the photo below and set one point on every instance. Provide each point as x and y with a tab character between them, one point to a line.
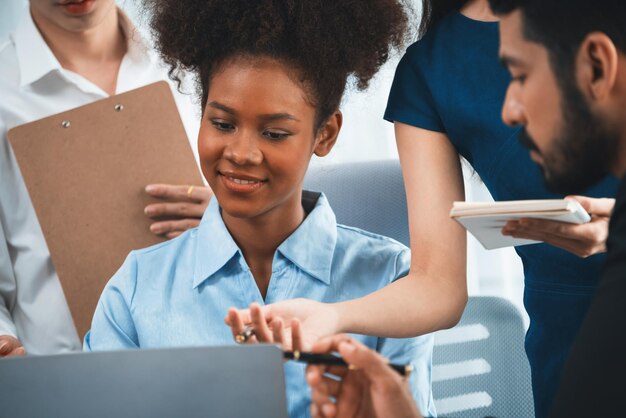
65	54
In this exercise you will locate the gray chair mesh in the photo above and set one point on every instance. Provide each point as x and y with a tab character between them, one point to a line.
480	368
367	195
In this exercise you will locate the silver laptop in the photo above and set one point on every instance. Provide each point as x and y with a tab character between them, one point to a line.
224	382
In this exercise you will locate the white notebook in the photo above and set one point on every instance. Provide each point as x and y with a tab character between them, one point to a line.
485	220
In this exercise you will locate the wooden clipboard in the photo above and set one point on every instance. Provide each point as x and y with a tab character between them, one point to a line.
86	170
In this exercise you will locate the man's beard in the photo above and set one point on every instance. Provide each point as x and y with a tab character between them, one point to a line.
582	154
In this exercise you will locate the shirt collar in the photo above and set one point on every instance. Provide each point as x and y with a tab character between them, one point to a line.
35	58
310	247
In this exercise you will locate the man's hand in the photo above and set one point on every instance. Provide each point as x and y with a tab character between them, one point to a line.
316	319
10	346
583	240
368	389
181	209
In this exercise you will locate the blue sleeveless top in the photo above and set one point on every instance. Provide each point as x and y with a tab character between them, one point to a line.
451	81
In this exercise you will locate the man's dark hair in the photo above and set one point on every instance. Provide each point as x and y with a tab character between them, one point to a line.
323	42
562	25
586	143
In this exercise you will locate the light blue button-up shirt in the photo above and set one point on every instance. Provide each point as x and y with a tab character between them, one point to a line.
177	293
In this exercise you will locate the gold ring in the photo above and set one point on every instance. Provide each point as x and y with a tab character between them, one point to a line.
189	191
244	335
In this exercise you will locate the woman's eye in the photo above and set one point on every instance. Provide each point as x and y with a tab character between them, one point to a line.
275	135
222	126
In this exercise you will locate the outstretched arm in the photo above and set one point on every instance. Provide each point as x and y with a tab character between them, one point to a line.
434	293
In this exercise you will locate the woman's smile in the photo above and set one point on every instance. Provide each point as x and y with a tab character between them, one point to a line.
240	183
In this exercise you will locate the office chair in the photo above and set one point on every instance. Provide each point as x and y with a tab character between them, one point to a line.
480	368
366	195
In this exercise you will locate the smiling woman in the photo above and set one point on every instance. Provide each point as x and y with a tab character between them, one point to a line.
255	144
268	107
270	75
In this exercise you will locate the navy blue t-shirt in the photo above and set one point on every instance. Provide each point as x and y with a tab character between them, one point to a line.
451	81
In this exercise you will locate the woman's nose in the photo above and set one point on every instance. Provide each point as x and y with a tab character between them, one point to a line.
243	150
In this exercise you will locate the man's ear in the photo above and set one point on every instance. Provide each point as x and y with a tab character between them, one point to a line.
597	66
327	134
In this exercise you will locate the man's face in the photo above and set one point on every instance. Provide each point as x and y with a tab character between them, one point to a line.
73	15
571	144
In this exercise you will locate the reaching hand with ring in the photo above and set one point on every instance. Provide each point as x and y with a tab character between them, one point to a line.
259	330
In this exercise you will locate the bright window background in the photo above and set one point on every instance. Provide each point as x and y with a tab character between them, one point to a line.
365	136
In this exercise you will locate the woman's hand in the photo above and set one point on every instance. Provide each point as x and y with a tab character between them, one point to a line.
10	346
316	320
583	240
182	208
368	389
264	331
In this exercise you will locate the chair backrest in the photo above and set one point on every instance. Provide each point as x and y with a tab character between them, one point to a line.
480	368
366	195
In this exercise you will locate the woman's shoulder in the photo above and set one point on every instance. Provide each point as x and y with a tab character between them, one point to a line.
159	259
370	242
421	51
174	245
451	35
374	254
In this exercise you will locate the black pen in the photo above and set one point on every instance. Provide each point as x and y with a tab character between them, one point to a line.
331	360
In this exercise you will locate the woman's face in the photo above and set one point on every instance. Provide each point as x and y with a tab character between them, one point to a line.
256	138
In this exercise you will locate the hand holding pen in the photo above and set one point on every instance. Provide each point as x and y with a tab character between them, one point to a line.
335	360
370	388
251	334
364	384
